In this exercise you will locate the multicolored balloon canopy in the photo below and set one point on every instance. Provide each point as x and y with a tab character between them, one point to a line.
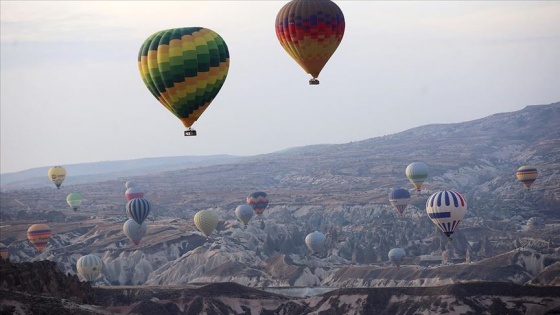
258	201
133	192
527	175
417	173
310	31
446	209
89	266
399	199
184	68
57	174
74	200
39	235
206	221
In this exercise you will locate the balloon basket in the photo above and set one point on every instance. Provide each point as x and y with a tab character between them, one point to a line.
313	82
190	132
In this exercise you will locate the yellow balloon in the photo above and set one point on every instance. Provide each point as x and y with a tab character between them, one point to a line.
57	174
206	221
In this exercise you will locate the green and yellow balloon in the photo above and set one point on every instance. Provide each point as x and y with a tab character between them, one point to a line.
184	68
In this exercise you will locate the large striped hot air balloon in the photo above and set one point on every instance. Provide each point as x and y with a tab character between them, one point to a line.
244	213
396	256
417	173
74	200
4	251
89	266
57	174
184	68
315	242
138	209
39	235
134	231
446	209
399	199
527	175
310	32
258	201
206	221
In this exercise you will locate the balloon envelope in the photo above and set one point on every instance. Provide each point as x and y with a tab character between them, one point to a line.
396	256
310	31
133	192
527	175
417	173
39	235
315	241
138	209
184	69
57	174
244	213
399	199
446	209
129	184
134	231
89	266
74	200
258	201
4	251
206	221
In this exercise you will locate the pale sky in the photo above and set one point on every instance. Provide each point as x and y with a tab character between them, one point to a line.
71	91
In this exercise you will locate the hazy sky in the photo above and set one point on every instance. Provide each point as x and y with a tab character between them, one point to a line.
71	90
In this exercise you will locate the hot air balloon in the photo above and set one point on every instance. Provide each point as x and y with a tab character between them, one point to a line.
184	68
417	172
396	256
4	251
446	209
310	32
206	221
89	266
57	174
134	231
74	200
138	209
258	201
133	192
39	235
527	175
315	242
244	213
129	184
399	198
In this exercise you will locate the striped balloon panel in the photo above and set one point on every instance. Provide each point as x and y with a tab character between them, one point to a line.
39	235
310	31
244	213
446	209
4	251
184	68
206	221
417	173
134	231
315	241
138	209
89	266
399	199
258	201
527	175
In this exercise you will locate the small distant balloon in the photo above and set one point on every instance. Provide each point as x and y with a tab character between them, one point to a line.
527	175
446	209
89	266
244	213
74	200
396	256
4	251
129	184
138	209
258	201
39	235
134	231
133	192
57	174
206	221
315	241
399	199
417	173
